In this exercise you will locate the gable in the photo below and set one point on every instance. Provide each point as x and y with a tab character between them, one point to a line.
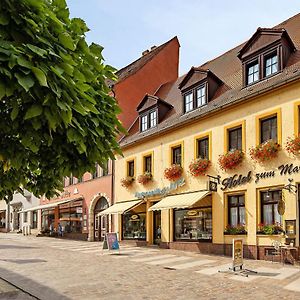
193	77
147	102
264	38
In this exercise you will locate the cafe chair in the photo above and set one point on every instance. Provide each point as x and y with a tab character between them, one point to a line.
276	251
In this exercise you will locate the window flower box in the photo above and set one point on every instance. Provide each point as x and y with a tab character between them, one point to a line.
265	151
127	182
235	230
145	178
231	159
199	166
293	145
270	229
173	173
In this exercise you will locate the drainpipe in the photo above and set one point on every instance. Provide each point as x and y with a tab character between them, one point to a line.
112	191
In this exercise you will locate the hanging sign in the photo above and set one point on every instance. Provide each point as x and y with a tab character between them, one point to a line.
237	253
281	204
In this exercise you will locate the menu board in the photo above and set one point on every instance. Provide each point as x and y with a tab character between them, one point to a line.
112	241
237	253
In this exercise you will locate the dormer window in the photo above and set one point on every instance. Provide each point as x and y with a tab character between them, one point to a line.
201	96
144	123
189	102
252	72
153	118
198	87
271	64
265	54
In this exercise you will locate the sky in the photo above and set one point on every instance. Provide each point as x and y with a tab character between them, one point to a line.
205	29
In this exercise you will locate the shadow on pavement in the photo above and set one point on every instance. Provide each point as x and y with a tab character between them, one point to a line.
24	261
16	247
35	289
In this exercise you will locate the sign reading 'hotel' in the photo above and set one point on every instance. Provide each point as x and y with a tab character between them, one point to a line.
239	179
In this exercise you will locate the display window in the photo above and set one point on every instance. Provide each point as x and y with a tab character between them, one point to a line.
134	226
193	224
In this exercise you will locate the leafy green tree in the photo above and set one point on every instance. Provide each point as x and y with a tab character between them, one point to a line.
56	114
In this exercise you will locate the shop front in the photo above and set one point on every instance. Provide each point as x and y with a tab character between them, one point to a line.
2	220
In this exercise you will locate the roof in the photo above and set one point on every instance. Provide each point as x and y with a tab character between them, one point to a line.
228	68
140	62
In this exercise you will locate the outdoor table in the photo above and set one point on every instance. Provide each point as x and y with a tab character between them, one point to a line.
287	254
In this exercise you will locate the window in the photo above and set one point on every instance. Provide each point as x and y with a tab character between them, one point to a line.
144	124
203	148
268	129
148	163
271	64
153	119
188	100
34	219
96	174
134	226
236	210
130	168
269	207
105	169
235	139
176	155
252	72
193	224
25	217
201	97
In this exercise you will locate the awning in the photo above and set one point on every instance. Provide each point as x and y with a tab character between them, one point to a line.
179	201
120	207
51	205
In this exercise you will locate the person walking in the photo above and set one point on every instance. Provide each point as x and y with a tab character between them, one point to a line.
59	230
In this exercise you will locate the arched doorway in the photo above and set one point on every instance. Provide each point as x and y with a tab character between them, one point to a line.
101	223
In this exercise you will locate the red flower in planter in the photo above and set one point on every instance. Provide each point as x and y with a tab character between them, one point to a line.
145	178
199	166
127	182
293	145
265	151
173	173
231	159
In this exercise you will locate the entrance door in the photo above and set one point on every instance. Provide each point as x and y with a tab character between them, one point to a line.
100	222
156	227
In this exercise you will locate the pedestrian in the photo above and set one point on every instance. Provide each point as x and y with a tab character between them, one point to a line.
51	228
62	230
59	230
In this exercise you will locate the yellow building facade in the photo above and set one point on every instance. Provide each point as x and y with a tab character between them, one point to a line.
255	201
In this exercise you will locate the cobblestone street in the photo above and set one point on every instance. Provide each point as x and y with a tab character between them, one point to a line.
49	268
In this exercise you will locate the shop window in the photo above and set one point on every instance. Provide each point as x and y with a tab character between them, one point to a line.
34	219
203	148
176	155
236	210
148	163
193	224
235	139
70	219
134	226
130	168
268	129
269	207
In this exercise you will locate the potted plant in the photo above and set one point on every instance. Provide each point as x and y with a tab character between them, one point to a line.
145	178
231	159
293	145
238	229
127	181
265	151
269	229
199	166
173	173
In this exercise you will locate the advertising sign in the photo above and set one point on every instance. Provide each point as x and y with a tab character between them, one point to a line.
112	241
237	253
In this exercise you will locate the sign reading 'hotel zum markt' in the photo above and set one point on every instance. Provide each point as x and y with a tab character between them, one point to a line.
239	179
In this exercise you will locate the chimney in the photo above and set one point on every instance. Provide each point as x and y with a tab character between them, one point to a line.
153	47
145	52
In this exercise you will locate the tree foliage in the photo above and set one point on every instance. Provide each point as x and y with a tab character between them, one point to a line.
56	115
